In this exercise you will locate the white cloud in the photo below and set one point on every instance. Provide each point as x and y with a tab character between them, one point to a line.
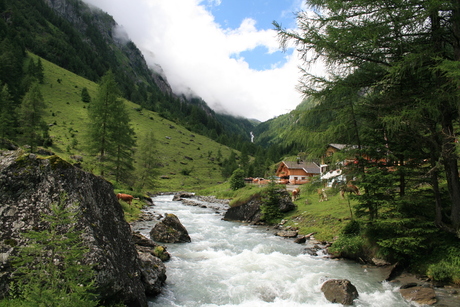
196	53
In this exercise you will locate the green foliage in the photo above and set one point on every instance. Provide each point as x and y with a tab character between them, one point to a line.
7	114
400	238
349	246
447	269
270	203
50	269
31	114
237	179
85	96
147	162
110	136
352	228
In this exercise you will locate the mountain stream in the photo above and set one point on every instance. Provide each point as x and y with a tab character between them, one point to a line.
232	264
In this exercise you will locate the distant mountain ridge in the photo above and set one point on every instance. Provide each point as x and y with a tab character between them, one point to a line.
87	41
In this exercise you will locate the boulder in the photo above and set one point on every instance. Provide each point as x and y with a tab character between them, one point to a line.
181	195
420	295
339	291
145	245
30	184
170	230
287	233
153	273
250	211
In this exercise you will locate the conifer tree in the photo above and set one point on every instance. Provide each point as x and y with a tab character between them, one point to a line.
7	113
31	113
146	162
237	179
110	136
85	97
402	58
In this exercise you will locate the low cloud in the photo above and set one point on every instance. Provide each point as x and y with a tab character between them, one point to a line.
198	55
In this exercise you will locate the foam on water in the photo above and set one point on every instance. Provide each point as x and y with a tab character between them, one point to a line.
230	264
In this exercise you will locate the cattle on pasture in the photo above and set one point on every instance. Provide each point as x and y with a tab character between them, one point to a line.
322	195
349	188
295	194
125	197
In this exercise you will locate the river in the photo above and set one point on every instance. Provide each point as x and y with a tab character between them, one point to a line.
231	264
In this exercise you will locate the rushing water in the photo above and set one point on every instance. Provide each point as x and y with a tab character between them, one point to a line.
231	264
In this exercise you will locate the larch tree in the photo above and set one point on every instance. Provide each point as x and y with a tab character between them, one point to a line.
110	136
147	162
31	112
408	54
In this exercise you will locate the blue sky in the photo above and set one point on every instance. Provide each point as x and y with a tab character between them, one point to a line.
224	51
231	13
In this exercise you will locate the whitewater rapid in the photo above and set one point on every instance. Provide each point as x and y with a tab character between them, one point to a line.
231	264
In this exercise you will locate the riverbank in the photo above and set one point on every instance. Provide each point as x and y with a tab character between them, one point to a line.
446	295
235	264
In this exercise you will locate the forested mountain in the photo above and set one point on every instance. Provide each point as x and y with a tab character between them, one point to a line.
87	42
288	131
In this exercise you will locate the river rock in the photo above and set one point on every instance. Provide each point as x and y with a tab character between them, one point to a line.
153	273
29	184
420	295
179	196
287	233
170	230
340	291
145	245
250	211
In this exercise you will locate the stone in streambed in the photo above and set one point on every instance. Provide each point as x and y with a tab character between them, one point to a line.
340	291
170	230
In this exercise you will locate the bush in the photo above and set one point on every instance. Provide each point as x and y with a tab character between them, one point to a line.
352	228
270	204
348	246
447	269
237	179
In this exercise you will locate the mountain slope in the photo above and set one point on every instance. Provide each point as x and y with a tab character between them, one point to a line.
87	41
189	160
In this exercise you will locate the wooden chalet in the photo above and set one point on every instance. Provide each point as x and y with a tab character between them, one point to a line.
297	172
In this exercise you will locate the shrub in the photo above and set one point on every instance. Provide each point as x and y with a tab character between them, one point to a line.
447	269
349	246
49	270
270	204
237	179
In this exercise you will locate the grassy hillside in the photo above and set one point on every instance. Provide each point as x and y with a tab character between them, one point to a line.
180	152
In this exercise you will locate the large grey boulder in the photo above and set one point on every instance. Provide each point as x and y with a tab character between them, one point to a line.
29	184
250	211
339	291
170	230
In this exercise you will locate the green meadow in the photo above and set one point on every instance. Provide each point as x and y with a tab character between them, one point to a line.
186	161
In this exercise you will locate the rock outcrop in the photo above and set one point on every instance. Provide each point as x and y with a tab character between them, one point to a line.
29	184
339	291
250	211
170	230
421	295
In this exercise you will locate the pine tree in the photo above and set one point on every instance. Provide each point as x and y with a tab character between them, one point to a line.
31	117
50	269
